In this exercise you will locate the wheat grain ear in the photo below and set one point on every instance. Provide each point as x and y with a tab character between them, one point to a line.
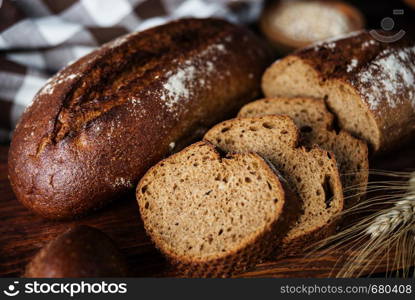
389	231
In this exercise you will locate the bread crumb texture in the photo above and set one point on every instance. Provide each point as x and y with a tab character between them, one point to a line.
202	208
394	73
311	173
200	205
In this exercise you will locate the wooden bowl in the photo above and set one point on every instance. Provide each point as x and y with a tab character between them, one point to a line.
290	25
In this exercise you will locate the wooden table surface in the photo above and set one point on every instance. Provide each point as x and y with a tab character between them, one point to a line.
22	233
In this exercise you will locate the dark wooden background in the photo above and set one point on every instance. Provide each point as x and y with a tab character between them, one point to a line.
22	233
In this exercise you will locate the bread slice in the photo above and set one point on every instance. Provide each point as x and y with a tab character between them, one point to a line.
316	125
214	216
311	173
368	84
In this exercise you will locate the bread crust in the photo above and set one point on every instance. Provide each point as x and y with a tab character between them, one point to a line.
246	255
301	245
81	251
361	64
100	123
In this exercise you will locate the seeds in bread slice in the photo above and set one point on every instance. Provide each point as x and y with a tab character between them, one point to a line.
312	173
214	216
316	125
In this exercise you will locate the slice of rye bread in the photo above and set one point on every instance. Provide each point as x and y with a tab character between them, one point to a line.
316	125
311	173
214	216
368	84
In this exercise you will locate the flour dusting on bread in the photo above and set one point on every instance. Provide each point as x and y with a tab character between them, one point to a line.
122	182
375	79
394	74
331	43
178	84
353	64
110	122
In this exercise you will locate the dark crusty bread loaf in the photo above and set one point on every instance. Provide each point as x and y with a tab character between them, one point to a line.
82	251
311	173
369	85
214	216
100	123
316	126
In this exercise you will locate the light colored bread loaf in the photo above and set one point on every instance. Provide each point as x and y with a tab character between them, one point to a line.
214	216
311	173
369	85
316	126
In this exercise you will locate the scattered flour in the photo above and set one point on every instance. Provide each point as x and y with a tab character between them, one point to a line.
214	48
122	182
180	83
394	74
368	44
176	85
55	81
135	101
210	66
331	43
352	65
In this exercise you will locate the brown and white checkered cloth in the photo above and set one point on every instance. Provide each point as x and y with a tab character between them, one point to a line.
39	37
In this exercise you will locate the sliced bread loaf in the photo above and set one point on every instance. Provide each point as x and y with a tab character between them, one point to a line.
316	125
368	84
311	173
213	216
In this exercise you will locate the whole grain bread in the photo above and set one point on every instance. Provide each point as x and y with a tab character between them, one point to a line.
100	123
311	173
368	84
316	126
81	251
213	215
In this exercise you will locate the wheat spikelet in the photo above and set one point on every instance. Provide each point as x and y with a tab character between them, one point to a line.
402	213
384	232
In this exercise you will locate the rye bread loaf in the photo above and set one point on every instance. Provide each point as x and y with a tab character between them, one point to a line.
100	123
213	215
81	251
311	173
316	126
368	84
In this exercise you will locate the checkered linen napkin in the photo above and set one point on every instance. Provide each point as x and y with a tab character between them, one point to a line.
39	37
